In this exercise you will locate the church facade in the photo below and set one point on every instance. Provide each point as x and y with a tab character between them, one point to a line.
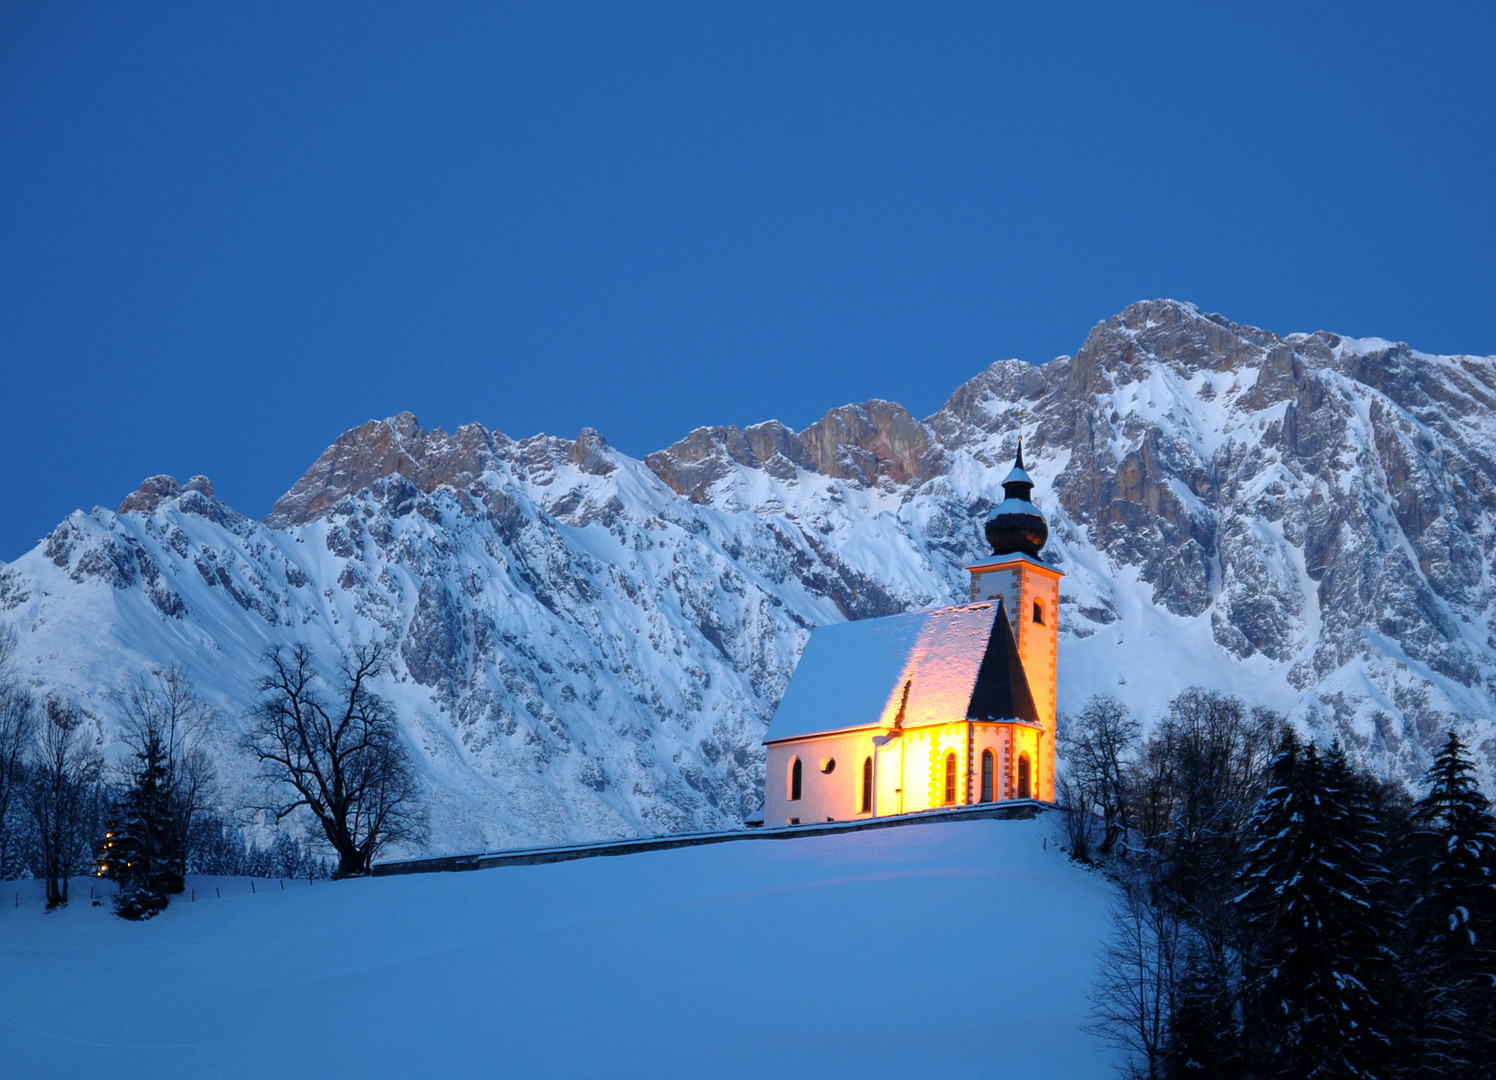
934	708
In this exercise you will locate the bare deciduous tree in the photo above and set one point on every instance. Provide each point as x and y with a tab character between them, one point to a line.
337	752
17	719
61	794
1133	999
1098	746
1075	801
1202	771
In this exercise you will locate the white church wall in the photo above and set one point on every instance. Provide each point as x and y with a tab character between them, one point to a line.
835	796
908	774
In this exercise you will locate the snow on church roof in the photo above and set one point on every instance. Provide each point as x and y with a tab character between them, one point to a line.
852	675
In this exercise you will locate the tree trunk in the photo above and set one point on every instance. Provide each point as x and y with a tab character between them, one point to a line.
57	886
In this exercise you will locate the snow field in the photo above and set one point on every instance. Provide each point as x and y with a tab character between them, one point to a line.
962	949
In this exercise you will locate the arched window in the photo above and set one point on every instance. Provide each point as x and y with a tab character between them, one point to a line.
795	779
988	762
867	785
1038	613
950	778
1023	777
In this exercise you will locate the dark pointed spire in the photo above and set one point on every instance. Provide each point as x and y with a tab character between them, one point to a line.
1019	485
1001	691
1016	526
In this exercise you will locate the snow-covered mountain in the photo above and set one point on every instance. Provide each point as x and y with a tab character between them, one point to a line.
591	645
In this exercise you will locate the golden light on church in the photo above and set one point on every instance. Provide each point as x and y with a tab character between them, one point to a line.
933	708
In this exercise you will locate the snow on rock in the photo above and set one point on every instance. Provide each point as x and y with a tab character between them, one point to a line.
590	645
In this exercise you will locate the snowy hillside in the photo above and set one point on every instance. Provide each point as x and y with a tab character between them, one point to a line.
890	953
591	645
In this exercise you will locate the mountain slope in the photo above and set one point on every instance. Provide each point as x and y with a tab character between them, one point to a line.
592	645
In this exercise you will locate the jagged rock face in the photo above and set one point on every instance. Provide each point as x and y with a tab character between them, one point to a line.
1324	503
588	645
155	488
867	444
381	448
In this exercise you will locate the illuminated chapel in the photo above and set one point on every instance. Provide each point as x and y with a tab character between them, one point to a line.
936	708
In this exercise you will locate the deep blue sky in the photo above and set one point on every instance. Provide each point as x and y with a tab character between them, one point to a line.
228	235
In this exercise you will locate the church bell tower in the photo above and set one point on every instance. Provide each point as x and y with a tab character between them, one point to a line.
1030	591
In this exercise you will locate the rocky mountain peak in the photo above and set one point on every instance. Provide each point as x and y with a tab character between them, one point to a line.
396	457
591	453
397	445
1178	335
156	489
870	441
864	443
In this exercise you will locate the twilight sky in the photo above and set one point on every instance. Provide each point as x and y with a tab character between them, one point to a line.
227	235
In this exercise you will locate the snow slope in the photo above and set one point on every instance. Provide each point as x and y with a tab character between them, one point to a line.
959	950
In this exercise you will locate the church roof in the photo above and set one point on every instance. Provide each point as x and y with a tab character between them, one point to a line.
1001	691
958	663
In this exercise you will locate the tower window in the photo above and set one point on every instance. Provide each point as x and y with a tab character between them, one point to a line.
1023	777
1038	612
867	786
988	764
950	779
795	780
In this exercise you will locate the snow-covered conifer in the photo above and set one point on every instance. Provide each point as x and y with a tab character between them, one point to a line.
1307	905
1452	921
145	849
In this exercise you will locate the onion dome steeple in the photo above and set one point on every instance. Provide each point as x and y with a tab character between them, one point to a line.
1016	526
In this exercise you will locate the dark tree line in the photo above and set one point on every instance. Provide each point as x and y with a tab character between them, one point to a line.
64	813
51	784
1279	913
330	748
220	849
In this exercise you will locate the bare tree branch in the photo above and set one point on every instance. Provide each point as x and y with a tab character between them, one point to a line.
65	774
17	722
337	753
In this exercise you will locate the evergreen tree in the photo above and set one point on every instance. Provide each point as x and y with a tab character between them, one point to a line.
1452	921
1265	875
1202	1028
1309	924
1356	846
145	847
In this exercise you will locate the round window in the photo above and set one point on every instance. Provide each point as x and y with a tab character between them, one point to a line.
828	765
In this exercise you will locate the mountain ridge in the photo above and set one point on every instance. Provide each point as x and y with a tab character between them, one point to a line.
591	644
